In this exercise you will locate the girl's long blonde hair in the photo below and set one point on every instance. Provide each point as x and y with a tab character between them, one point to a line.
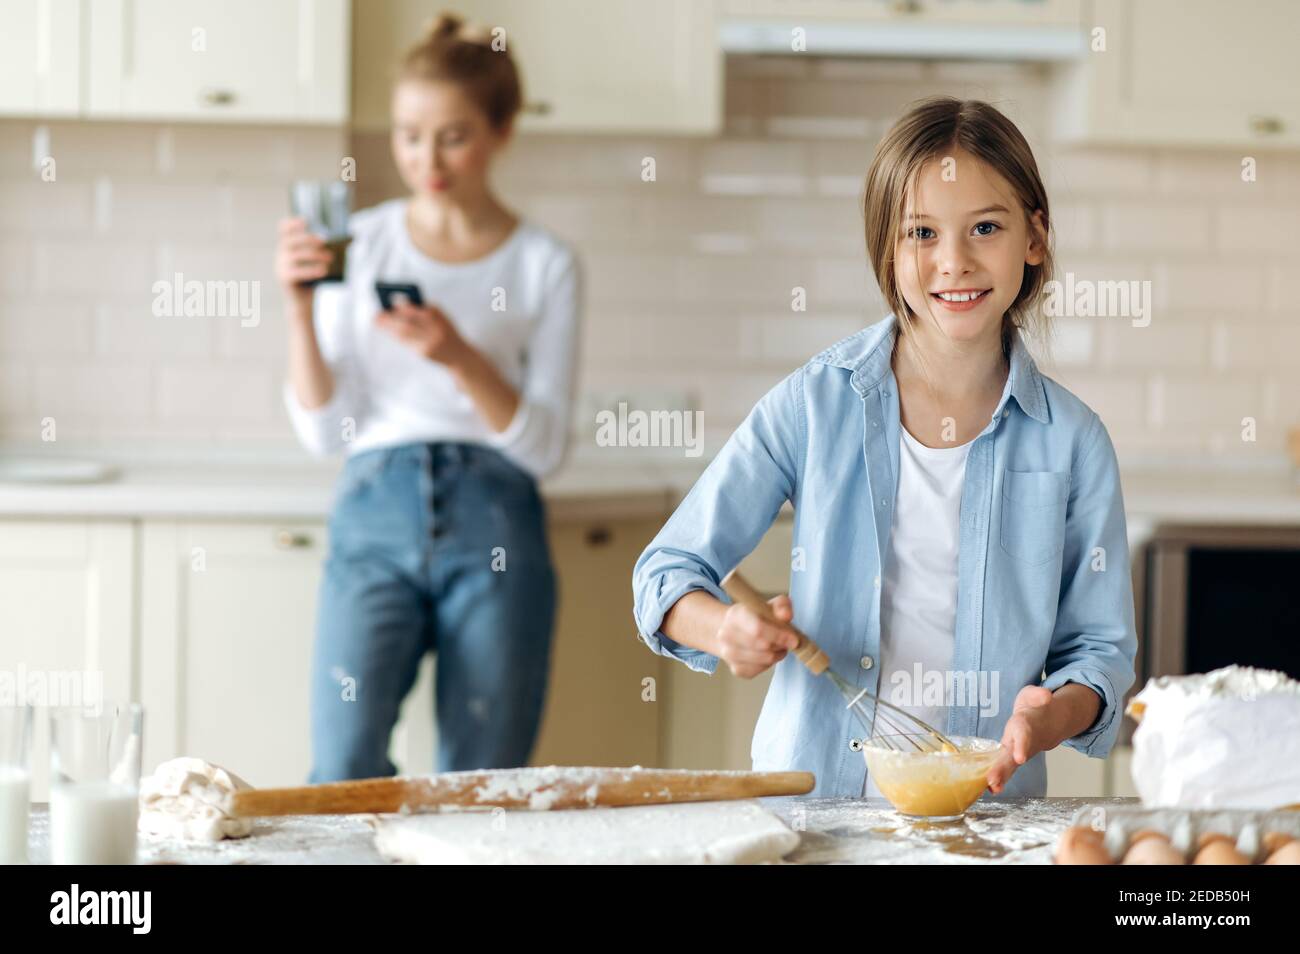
932	129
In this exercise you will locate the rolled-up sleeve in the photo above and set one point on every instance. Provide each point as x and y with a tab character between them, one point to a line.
1095	642
537	437
328	428
723	517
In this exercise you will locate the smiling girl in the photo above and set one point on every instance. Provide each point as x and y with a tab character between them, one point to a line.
449	413
958	515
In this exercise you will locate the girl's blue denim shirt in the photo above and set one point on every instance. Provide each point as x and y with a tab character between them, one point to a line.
1044	593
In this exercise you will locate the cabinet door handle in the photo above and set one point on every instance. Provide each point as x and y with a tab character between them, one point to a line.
598	536
292	540
907	7
538	107
216	97
1267	125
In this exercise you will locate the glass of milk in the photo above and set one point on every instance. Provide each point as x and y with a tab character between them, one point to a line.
95	783
15	781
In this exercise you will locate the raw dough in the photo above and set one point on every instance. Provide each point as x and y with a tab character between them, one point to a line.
733	832
1223	739
187	798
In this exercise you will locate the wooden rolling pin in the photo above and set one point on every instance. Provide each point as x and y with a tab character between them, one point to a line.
529	788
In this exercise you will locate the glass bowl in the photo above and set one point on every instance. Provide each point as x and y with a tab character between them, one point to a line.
936	786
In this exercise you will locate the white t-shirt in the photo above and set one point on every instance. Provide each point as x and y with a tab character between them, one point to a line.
520	305
918	599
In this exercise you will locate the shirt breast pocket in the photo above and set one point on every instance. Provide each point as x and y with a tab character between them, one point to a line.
1033	514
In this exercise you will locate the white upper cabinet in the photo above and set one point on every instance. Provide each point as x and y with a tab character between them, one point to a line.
40	58
1186	73
611	66
990	12
219	60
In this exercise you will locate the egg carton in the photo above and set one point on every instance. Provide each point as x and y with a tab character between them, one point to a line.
1185	827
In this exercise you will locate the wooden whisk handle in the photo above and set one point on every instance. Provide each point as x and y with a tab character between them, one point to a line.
807	652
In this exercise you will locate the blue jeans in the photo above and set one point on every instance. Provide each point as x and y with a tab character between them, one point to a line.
433	548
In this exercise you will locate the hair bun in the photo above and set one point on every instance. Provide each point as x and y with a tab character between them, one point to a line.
444	27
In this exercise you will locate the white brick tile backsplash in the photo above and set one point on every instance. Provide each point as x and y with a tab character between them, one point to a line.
88	267
1283	294
1138	225
1219	175
269	338
16	148
791	340
819	127
1170	341
85	150
37	327
16	259
218	392
1249	344
1118	398
1209	404
1077	171
15	386
33	207
163	211
1072	343
1208	285
689	276
1267	230
86	395
252	153
124	332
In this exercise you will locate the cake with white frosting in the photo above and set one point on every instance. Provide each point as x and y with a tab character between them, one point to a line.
1223	739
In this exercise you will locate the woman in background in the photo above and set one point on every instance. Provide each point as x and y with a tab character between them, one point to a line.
450	412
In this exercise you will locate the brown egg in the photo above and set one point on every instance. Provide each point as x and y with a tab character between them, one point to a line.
1219	850
1275	840
1081	846
1146	833
1288	854
1152	848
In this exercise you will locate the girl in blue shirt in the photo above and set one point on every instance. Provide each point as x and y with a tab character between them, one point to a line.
1041	608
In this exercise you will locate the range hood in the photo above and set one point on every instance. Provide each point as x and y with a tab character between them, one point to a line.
909	40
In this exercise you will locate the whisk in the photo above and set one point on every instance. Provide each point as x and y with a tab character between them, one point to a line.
905	732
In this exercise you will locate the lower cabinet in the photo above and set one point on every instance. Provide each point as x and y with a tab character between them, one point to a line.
227	616
67	606
227	622
606	693
210	624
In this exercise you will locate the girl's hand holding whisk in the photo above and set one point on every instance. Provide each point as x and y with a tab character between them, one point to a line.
751	644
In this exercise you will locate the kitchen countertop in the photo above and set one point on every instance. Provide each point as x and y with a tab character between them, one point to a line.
595	483
1001	831
293	487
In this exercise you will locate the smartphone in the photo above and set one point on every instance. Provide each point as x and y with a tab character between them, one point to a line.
390	293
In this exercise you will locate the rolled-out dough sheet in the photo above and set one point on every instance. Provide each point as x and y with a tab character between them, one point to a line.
720	833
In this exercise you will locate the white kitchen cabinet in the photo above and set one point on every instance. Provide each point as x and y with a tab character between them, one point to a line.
40	58
228	619
219	60
1196	73
982	12
606	692
67	606
616	66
